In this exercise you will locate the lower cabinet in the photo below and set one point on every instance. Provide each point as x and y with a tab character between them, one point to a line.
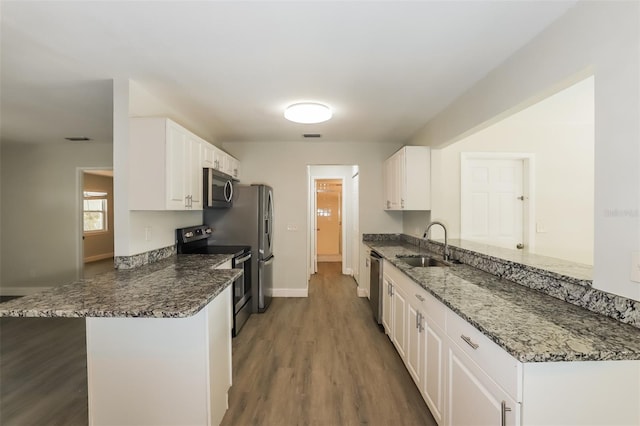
454	386
387	303
475	399
433	371
467	379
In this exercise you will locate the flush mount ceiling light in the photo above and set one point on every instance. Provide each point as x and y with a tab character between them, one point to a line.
307	112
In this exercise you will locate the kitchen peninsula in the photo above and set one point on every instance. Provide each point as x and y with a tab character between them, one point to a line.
158	338
481	339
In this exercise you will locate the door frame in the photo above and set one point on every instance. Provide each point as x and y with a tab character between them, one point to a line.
313	221
80	171
528	189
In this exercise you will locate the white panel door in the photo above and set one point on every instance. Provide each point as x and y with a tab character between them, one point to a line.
492	192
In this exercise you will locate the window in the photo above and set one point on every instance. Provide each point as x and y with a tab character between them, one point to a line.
95	211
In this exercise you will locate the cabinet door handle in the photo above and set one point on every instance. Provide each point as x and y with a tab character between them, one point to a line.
469	341
418	321
402	202
504	410
420	298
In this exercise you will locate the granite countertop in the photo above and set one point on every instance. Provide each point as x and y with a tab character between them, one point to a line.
176	287
529	325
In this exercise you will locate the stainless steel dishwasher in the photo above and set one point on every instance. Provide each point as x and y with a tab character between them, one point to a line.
375	286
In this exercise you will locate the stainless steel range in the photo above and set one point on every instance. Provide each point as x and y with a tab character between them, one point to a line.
196	240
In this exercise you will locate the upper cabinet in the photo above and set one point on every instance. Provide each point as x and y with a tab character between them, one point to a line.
165	169
217	159
407	179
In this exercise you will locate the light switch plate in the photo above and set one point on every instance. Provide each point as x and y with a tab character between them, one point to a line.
292	227
635	266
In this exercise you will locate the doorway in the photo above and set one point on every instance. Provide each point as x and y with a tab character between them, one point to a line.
332	216
96	222
497	199
329	220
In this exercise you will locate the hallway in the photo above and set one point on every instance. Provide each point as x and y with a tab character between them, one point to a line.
320	360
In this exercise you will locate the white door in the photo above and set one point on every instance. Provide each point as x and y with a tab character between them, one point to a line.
355	228
492	201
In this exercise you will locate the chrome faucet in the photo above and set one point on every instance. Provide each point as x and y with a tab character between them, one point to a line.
445	254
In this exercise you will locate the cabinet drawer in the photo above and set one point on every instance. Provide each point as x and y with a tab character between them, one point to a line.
429	305
495	361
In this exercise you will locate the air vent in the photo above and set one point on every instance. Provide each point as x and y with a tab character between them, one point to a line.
312	135
78	139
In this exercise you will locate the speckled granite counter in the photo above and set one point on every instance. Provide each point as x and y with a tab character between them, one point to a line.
531	326
175	287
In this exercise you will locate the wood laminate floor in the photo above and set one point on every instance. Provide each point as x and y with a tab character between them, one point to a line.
320	360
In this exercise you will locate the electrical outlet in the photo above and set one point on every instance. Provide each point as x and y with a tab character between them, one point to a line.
292	227
147	233
635	266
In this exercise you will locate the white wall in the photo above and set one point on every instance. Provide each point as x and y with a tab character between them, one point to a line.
132	100
596	37
559	132
283	165
41	212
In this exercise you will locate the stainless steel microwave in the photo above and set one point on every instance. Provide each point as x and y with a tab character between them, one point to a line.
218	189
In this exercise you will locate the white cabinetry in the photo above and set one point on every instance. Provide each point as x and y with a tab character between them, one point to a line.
215	158
165	170
467	379
407	179
456	389
387	303
433	368
364	274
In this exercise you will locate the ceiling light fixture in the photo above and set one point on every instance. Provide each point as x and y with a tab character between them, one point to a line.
307	112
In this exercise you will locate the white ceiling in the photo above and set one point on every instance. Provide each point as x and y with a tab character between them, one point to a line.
385	67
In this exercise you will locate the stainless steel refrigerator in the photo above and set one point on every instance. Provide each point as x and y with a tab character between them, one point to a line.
249	221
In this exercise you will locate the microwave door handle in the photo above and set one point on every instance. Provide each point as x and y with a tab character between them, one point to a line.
228	191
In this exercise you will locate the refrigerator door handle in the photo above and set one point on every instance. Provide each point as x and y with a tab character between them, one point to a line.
268	261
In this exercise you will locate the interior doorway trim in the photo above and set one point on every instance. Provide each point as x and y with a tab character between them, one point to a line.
314	221
528	186
344	173
80	171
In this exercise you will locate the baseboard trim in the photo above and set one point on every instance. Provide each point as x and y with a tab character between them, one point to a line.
21	291
348	271
362	292
290	292
97	257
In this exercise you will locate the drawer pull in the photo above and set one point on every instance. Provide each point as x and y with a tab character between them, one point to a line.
504	410
469	341
420	298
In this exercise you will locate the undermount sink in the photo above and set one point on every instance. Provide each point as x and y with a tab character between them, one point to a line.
424	262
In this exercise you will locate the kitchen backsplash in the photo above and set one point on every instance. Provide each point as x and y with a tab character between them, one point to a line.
572	290
141	259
